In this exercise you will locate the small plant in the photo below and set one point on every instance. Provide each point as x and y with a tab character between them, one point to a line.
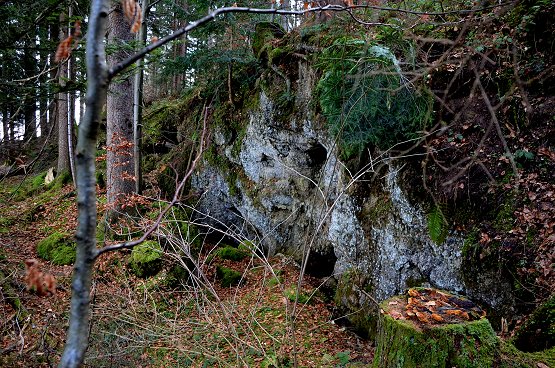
291	294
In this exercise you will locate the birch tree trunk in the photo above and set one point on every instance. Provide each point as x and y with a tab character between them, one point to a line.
97	76
138	104
120	163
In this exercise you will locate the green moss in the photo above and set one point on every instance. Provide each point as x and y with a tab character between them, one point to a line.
176	277
377	208
291	294
146	259
64	255
511	357
348	298
401	344
231	253
59	248
265	32
38	182
62	179
227	276
504	220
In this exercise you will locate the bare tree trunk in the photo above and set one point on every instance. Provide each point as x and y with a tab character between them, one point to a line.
120	163
43	84
97	76
138	105
62	100
30	101
53	109
71	111
5	124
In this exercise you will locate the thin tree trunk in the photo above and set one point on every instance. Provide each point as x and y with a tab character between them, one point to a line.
97	76
138	104
5	125
30	101
63	148
120	163
71	111
43	84
53	110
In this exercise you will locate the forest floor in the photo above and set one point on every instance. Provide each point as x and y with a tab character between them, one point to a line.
143	323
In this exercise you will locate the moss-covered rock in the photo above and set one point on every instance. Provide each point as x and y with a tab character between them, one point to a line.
59	248
227	276
146	259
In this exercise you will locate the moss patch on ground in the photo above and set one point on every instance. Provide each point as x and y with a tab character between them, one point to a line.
146	259
59	248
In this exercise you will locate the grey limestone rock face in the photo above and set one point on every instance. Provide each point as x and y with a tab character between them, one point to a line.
293	195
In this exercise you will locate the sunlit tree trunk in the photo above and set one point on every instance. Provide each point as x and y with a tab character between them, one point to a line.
120	163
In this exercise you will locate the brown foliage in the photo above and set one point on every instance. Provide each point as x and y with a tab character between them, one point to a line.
132	12
66	46
41	283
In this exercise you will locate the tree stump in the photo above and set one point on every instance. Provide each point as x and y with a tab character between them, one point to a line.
430	328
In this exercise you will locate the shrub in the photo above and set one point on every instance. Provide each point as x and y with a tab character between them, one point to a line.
146	259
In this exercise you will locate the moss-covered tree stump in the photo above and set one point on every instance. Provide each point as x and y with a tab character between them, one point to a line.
429	328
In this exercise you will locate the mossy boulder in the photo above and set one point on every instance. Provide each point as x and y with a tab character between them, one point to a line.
146	259
227	276
59	248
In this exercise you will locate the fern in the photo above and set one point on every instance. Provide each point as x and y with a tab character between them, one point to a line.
437	225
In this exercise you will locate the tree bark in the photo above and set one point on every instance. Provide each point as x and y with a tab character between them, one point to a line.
43	84
62	100
97	76
30	101
5	125
71	109
54	30
120	163
138	105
